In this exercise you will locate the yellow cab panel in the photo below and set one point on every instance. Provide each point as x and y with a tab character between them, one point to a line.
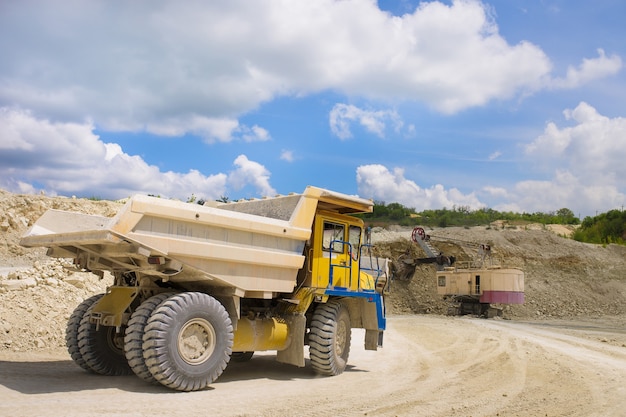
335	250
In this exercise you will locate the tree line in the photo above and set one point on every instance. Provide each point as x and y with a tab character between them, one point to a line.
609	227
604	228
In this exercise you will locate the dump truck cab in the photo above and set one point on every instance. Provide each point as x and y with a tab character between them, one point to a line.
335	253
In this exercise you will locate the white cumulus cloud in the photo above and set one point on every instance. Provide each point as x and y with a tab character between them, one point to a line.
251	173
342	116
68	158
287	155
593	149
195	67
582	165
590	69
379	183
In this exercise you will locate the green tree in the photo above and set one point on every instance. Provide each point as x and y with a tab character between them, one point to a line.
567	216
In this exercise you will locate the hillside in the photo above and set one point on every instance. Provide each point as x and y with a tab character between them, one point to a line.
564	278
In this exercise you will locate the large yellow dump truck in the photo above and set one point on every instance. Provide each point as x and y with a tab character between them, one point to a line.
196	286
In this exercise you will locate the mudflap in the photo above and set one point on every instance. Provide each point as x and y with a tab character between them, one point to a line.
373	339
112	307
294	353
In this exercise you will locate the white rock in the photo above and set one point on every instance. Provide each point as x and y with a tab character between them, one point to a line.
18	284
52	281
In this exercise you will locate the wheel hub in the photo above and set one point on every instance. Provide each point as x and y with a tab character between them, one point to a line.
115	340
196	341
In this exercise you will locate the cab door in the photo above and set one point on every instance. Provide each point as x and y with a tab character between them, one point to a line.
331	257
354	239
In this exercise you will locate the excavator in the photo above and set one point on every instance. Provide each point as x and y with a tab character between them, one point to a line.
471	288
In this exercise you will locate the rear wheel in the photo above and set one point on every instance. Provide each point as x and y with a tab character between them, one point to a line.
188	341
71	331
329	340
102	348
133	340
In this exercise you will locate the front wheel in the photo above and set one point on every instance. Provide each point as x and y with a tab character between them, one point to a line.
329	340
188	340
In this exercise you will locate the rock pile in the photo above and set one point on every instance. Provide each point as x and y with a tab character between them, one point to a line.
38	293
35	303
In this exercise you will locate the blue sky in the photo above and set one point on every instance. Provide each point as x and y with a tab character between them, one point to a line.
508	104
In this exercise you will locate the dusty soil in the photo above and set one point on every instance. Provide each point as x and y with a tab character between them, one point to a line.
562	353
430	366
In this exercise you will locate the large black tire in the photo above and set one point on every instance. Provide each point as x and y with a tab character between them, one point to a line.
329	339
188	341
102	348
71	331
133	340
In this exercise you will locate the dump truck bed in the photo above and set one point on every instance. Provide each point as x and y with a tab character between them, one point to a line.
252	248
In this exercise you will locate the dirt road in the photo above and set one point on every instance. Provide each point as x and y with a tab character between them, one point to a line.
430	366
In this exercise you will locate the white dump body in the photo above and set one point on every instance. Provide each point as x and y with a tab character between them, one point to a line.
253	248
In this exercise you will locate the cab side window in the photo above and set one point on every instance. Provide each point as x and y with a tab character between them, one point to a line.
333	234
354	237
